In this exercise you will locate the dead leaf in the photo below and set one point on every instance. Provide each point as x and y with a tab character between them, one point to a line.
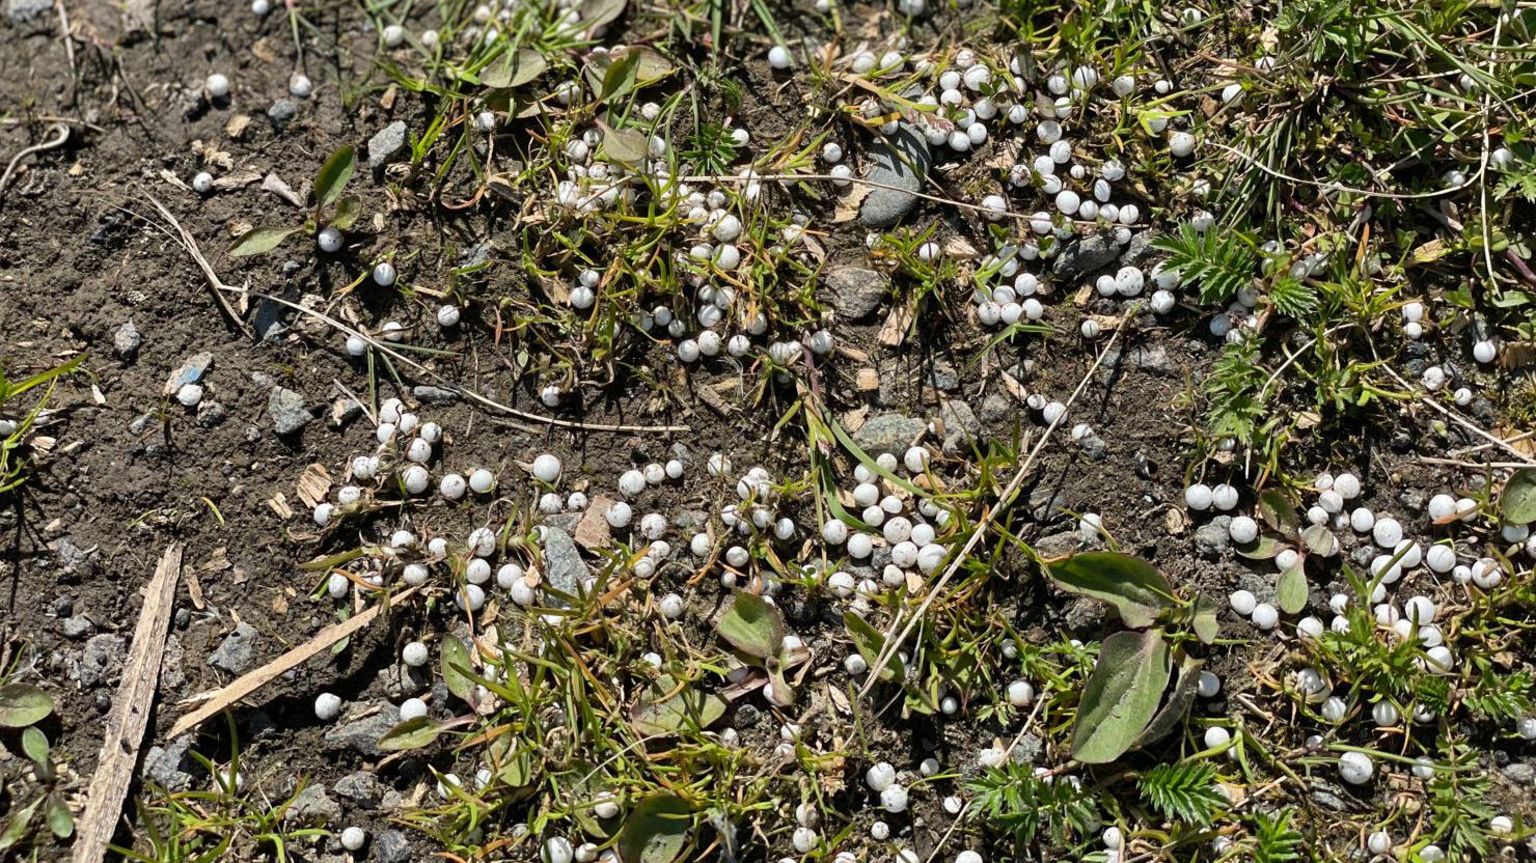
593	530
279	504
854	420
1175	520
897	323
848	204
236	181
236	125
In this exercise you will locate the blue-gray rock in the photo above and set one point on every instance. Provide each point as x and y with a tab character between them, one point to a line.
282	112
1213	537
430	395
386	144
22	11
169	766
1085	255
362	788
854	292
101	660
889	433
234	653
314	805
562	560
287	410
78	626
961	427
899	166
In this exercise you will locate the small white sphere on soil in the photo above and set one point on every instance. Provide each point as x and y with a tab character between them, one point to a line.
1021	693
415	478
202	182
880	776
1356	768
557	849
1208	685
671	606
217	86
353	838
448	316
328	240
412	708
1265	616
451	486
415	654
1181	144
894	799
190	394
1243	530
1243	602
384	274
1199	497
481	481
546	468
327	706
1217	736
1379	842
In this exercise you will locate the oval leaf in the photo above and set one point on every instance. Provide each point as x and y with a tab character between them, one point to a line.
22	705
1291	589
1122	695
1205	623
1278	510
751	625
869	641
335	174
595	13
686	710
35	744
259	241
410	734
456	670
1177	704
1133	587
656	830
1262	548
1517	503
1319	540
514	69
625	146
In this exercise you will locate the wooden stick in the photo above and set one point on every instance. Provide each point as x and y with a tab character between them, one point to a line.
253	681
129	714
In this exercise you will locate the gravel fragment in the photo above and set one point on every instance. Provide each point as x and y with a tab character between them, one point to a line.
1085	255
361	788
891	433
126	340
386	144
961	427
101	660
288	411
854	292
234	653
900	163
391	846
430	395
78	627
313	804
169	766
362	735
22	11
1213	537
562	560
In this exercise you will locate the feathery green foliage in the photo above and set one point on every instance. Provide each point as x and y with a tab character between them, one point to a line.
1221	262
1183	792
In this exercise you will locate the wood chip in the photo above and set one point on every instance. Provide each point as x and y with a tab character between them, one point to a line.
593	529
274	184
313	485
249	683
129	714
279	504
867	380
897	323
237	125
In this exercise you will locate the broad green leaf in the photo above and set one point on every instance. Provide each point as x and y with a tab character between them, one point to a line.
348	209
1262	548
514	69
60	821
334	175
1517	503
1133	587
1122	695
684	710
1204	622
869	641
751	625
456	669
1318	540
410	734
625	146
19	826
1177	705
22	705
595	13
656	830
259	241
1291	589
619	77
35	744
780	693
1278	510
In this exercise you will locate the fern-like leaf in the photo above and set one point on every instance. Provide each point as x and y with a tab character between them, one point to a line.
1023	805
1274	839
1183	792
1293	297
1221	262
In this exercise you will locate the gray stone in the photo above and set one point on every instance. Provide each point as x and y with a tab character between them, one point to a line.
287	410
961	427
996	409
313	804
234	653
171	674
1046	504
73	559
22	11
562	560
1213	537
362	788
211	413
943	376
1057	544
1329	800
1085	255
1137	249
889	433
1027	749
1153	358
101	659
391	846
78	626
126	340
282	112
854	292
430	395
403	681
169	766
899	166
1520	773
386	144
362	735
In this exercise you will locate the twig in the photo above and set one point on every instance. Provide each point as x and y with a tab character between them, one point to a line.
69	44
60	129
185	240
130	713
1004	501
448	384
1335	187
254	680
